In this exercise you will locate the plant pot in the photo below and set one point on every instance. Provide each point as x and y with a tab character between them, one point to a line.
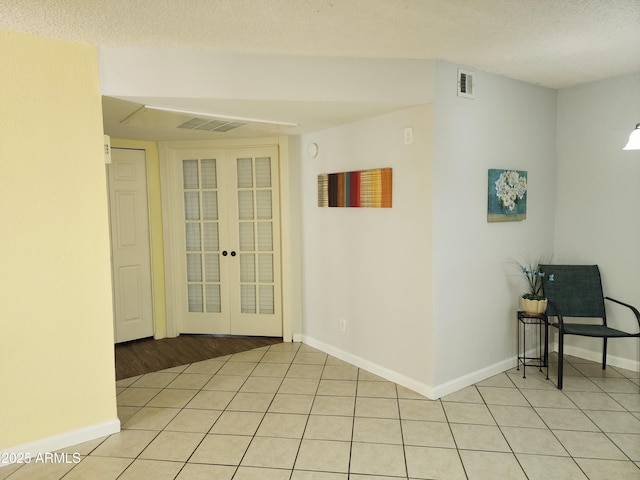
533	306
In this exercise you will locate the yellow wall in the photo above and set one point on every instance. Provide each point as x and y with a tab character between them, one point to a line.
56	341
155	226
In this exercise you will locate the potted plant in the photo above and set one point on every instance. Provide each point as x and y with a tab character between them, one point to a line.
533	301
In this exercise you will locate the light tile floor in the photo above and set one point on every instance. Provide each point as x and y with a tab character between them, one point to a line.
291	412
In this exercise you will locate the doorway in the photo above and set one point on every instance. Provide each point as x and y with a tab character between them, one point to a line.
222	217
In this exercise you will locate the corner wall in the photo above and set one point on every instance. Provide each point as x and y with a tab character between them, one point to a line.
56	348
372	266
597	201
508	125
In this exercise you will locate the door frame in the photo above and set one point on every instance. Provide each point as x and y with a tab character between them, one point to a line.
170	230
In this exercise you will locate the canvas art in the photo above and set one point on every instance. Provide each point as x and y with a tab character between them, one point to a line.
507	195
363	188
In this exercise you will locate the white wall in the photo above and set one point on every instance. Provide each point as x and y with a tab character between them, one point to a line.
443	323
314	92
597	219
508	125
179	73
371	266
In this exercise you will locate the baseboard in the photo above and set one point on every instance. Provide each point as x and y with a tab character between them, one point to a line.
439	391
473	377
428	391
387	374
58	442
297	337
596	356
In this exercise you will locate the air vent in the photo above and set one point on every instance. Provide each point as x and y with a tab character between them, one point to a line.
465	84
209	125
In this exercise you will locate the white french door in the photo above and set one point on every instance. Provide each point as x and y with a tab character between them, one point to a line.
227	237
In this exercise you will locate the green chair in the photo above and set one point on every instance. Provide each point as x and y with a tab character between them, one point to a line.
575	291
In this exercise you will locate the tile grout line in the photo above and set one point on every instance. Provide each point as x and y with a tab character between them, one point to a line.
217	419
253	436
184	464
306	423
360	378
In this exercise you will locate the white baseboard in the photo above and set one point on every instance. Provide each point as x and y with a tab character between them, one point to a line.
369	366
596	356
439	391
60	441
428	391
473	377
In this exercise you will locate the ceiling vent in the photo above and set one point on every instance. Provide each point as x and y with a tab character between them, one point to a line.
465	84
167	120
210	125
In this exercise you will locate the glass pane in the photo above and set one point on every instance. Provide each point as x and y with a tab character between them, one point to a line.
213	298
265	237
247	267
191	206
263	198
265	268
193	236
248	298
194	295
210	205
247	241
194	267
245	205
245	174
212	268
263	172
211	242
209	178
266	299
190	174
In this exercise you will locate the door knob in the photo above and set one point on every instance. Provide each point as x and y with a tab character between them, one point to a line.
233	253
224	253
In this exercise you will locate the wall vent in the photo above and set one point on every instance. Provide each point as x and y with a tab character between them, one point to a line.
465	84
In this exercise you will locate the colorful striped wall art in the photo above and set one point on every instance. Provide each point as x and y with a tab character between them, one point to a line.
363	188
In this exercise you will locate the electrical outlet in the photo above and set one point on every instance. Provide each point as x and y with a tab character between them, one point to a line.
342	325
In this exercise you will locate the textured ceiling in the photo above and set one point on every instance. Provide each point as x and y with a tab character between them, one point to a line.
554	43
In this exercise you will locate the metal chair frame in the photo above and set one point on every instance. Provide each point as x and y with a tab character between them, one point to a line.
575	291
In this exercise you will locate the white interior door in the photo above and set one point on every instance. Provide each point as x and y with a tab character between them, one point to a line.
202	237
255	230
227	237
130	246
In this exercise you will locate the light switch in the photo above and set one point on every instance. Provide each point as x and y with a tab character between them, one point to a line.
408	135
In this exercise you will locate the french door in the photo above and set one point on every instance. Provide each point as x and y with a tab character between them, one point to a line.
227	237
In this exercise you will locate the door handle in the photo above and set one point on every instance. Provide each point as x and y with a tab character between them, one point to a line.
233	253
224	253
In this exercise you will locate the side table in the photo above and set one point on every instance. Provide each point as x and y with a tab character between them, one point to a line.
541	358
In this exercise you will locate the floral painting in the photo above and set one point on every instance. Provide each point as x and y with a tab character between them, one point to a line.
507	195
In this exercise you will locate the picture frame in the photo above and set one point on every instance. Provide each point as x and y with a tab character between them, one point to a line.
506	195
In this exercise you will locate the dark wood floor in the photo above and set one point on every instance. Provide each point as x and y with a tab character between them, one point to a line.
149	355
